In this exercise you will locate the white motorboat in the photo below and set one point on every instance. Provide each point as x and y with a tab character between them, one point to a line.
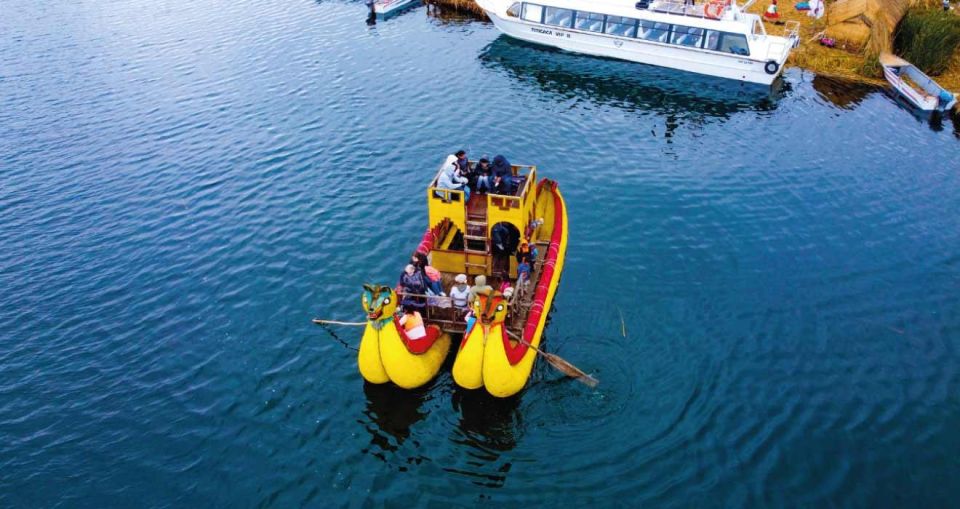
915	86
384	8
716	38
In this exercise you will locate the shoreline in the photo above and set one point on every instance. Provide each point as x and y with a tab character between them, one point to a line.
836	63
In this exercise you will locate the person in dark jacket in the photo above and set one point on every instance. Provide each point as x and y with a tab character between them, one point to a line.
500	236
482	172
502	176
413	282
462	162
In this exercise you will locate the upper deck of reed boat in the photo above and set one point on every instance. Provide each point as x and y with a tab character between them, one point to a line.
461	240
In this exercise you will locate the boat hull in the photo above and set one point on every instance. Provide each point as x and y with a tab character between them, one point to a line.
368	360
384	9
930	100
483	360
384	357
500	378
468	367
716	64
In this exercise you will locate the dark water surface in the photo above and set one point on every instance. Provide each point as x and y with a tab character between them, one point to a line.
183	185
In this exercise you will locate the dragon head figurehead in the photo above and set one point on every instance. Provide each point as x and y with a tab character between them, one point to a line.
490	308
379	302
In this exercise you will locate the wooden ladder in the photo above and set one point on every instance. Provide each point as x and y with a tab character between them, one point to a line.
477	247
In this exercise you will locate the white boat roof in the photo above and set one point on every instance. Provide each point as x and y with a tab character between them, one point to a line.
628	9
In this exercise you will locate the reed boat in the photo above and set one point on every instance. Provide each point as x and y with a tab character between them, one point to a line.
476	238
713	37
913	85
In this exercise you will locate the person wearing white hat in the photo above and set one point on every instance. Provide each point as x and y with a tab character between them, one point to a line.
459	292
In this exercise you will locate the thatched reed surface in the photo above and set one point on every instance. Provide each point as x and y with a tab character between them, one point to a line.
866	24
459	5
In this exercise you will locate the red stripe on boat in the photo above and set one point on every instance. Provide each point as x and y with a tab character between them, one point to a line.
515	354
418	346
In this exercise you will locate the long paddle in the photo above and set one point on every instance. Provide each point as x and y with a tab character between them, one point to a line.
555	360
334	322
559	363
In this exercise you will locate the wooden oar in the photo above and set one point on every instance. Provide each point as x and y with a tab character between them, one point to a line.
334	322
555	360
559	363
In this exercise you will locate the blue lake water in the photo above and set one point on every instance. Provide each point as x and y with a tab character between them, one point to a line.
767	283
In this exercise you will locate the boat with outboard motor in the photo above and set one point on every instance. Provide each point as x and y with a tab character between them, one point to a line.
913	85
717	38
477	237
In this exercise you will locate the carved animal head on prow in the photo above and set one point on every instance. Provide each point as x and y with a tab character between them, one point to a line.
379	302
490	308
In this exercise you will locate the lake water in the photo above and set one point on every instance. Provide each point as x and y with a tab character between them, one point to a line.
766	283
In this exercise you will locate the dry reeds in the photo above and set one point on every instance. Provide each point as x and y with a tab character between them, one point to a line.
459	5
866	24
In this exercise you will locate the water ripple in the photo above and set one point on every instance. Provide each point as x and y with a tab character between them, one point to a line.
767	289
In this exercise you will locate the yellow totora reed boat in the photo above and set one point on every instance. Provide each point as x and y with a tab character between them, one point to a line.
500	330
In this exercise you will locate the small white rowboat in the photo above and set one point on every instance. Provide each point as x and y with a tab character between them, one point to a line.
915	86
387	7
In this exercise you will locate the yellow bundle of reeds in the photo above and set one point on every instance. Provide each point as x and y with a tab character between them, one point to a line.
866	24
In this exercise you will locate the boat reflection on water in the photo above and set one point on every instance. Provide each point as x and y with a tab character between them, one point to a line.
390	413
627	85
445	15
955	116
488	428
842	93
933	119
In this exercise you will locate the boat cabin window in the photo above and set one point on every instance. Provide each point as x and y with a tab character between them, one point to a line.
712	40
589	21
687	36
558	17
657	32
691	37
734	43
514	10
533	12
624	27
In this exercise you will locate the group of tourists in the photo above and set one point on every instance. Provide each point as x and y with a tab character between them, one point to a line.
420	284
484	177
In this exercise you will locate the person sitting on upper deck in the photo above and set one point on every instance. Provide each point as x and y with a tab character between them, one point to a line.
412	324
482	172
502	176
463	164
450	178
